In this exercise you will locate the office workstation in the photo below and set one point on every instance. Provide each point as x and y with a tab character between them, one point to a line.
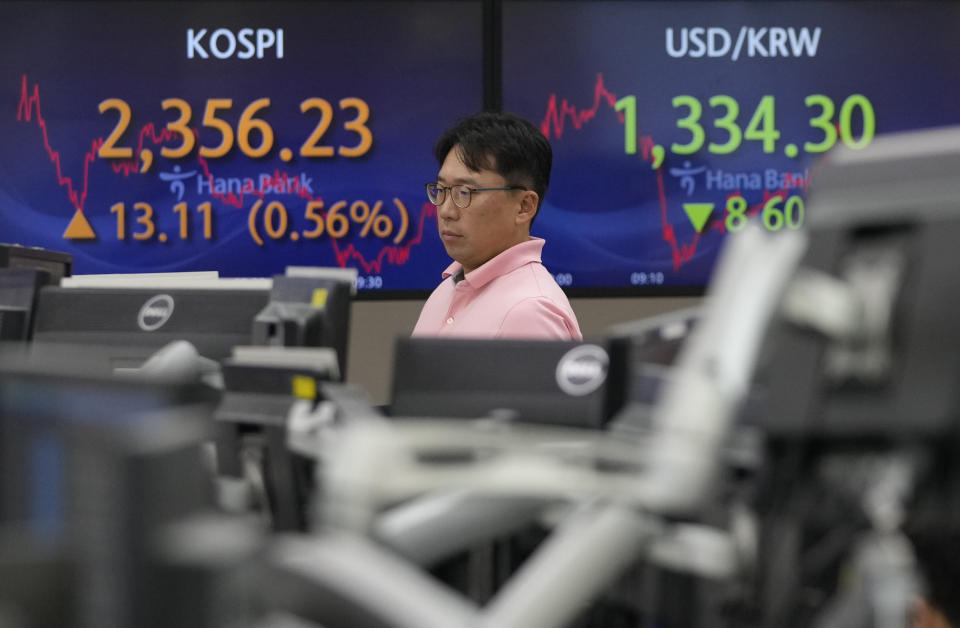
214	409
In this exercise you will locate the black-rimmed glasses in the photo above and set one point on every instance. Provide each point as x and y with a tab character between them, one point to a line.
461	194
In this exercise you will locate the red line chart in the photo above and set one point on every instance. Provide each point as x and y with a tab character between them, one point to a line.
554	122
29	110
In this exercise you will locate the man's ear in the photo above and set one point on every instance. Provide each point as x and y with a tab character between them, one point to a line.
528	207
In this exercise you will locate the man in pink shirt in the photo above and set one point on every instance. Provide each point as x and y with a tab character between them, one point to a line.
494	171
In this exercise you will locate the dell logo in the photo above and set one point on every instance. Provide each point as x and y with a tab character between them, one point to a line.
155	313
582	370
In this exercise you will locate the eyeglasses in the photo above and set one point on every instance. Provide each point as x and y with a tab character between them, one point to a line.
461	194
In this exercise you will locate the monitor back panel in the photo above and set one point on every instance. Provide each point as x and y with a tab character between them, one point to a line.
214	321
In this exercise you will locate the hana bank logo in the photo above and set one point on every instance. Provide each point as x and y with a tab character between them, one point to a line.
582	370
155	312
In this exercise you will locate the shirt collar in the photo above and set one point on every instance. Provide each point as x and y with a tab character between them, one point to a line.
516	256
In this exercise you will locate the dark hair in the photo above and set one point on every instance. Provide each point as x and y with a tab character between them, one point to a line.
504	143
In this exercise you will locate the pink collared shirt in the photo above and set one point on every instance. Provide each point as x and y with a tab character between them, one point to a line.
510	296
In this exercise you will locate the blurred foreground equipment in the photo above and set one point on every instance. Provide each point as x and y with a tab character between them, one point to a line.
785	451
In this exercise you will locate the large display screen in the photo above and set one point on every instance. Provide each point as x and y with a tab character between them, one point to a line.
248	137
237	137
673	123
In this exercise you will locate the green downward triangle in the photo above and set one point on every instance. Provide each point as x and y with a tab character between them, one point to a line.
698	213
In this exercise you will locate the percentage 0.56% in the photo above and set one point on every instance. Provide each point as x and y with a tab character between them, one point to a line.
336	222
271	220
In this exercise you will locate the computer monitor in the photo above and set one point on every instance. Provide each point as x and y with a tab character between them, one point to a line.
647	349
54	263
129	318
884	223
133	322
555	382
19	291
49	406
307	312
337	153
671	120
262	384
91	468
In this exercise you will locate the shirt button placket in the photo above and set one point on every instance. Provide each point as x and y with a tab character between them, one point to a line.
460	300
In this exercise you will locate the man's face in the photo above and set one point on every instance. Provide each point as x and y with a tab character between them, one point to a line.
492	223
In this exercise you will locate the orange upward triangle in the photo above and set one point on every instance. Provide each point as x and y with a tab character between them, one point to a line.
79	228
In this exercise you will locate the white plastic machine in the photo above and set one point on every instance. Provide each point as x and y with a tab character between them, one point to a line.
848	331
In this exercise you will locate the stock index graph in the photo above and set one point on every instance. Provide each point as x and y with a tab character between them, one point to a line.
337	224
145	137
698	214
673	124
